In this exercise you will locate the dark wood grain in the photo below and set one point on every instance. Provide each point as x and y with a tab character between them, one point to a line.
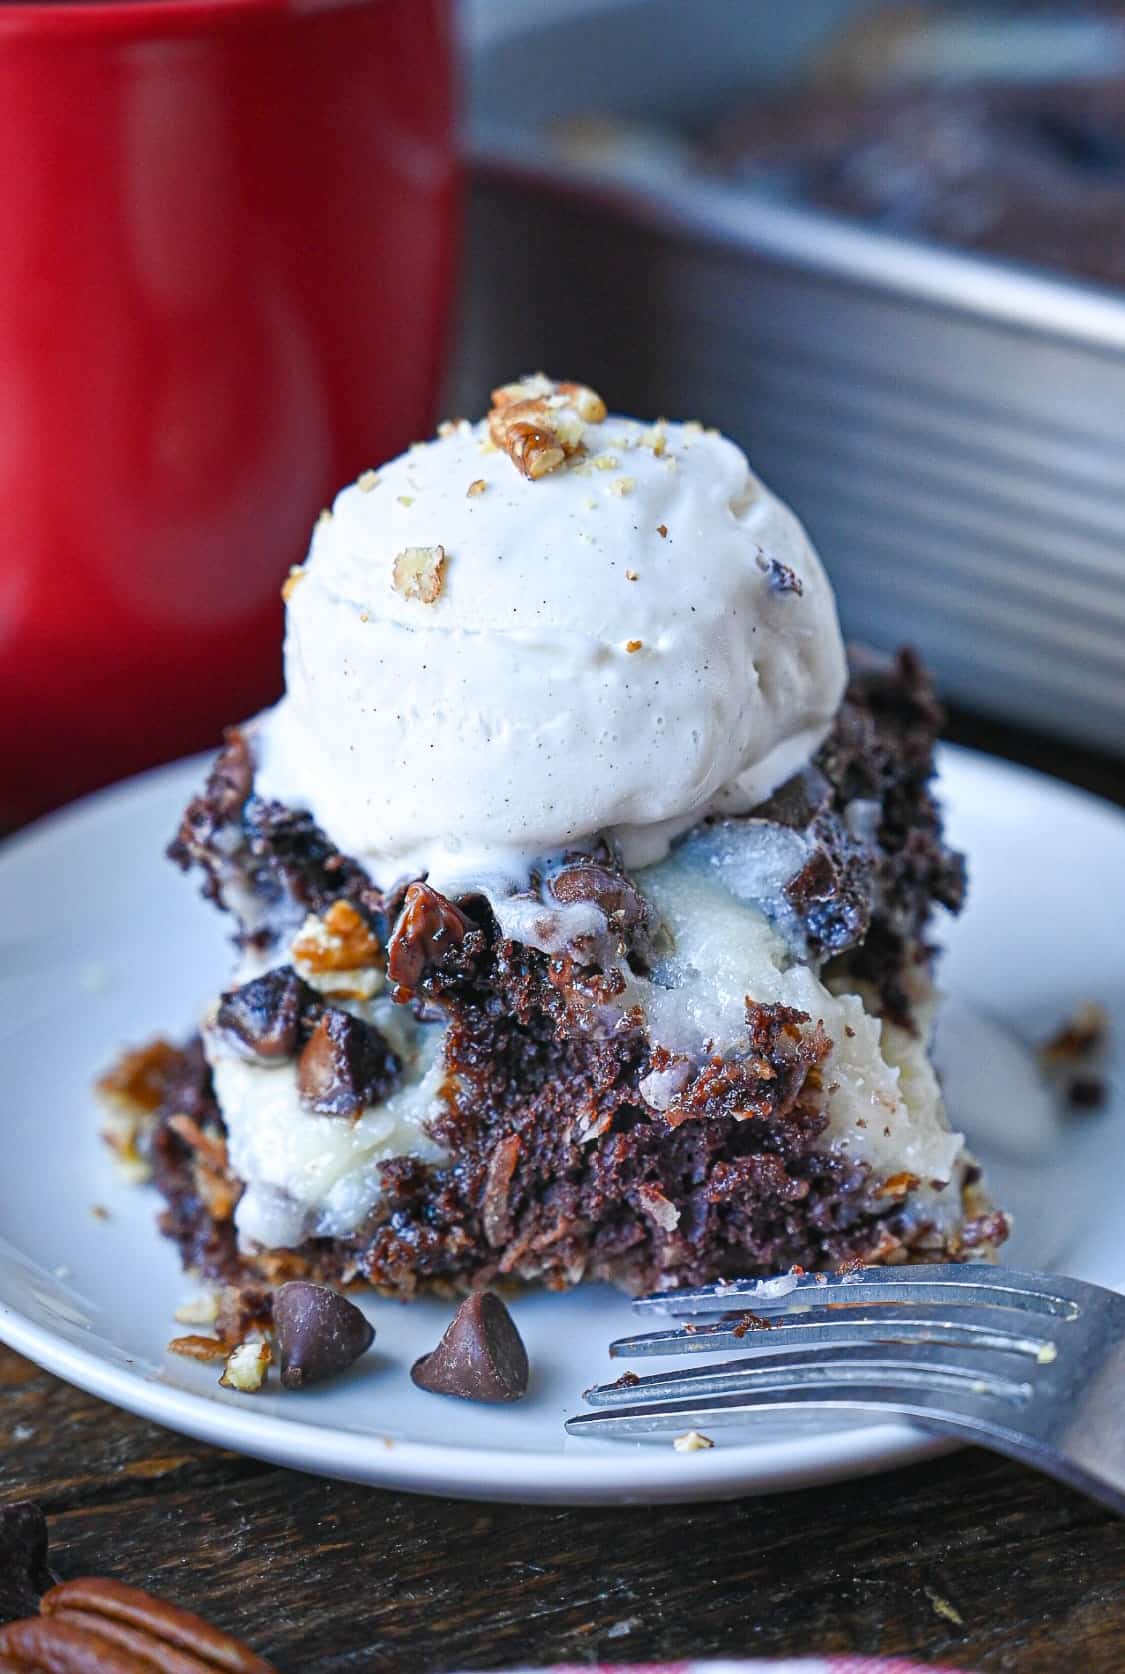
966	1559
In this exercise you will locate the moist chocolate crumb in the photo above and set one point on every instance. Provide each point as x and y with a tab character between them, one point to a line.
557	1158
319	1333
481	1356
264	1016
990	1228
24	1572
748	1322
346	1065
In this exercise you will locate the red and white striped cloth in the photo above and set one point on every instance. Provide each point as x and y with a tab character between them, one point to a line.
788	1665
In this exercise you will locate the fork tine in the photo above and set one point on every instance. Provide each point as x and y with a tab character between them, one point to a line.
952	1285
959	1412
905	1365
987	1327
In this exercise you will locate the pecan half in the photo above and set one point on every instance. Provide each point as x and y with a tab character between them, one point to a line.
41	1645
109	1605
540	424
428	925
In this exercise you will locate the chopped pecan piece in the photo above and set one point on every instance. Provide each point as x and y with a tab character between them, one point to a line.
132	1091
339	954
496	1216
428	926
540	424
202	1311
136	1082
209	1147
199	1348
246	1367
346	1065
419	573
232	776
264	1016
897	1185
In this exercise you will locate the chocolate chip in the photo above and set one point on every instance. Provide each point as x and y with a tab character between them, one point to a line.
428	926
480	1358
616	895
346	1065
1087	1092
264	1016
781	577
24	1575
319	1332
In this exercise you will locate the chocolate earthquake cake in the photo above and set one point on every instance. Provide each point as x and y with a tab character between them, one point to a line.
636	985
975	127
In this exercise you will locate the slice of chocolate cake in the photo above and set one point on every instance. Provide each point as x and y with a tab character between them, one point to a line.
581	898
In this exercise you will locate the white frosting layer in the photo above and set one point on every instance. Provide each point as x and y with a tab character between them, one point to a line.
509	718
882	1098
311	1176
308	1175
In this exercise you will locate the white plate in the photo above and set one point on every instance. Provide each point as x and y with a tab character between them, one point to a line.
103	944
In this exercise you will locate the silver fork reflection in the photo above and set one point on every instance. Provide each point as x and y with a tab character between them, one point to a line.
1030	1364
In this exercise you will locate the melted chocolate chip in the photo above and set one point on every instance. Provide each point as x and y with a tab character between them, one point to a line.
616	895
428	926
346	1065
480	1358
24	1575
319	1332
264	1016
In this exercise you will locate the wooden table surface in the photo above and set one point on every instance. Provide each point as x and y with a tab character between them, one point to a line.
967	1559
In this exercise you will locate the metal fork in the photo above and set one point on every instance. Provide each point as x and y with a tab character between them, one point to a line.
1030	1364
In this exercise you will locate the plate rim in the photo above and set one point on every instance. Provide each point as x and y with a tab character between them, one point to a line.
644	1474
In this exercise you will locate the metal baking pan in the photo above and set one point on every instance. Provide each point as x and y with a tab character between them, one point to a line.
950	427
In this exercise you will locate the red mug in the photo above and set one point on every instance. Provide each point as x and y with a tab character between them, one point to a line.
227	237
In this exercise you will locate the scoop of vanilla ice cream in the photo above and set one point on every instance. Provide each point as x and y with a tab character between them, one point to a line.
622	645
